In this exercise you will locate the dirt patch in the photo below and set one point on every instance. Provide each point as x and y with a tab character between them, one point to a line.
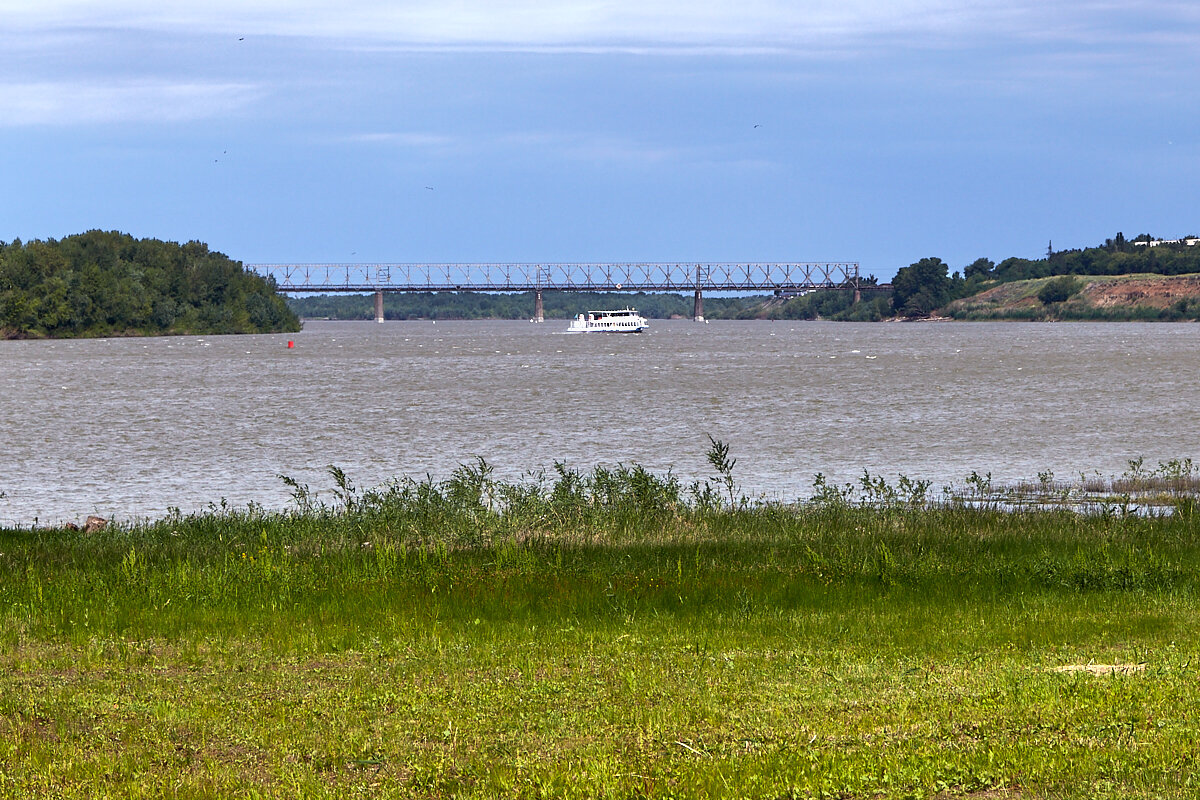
1103	669
1158	291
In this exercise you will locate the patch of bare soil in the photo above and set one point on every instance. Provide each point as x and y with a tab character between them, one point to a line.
1103	669
1153	291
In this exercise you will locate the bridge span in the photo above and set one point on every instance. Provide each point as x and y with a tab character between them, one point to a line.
775	277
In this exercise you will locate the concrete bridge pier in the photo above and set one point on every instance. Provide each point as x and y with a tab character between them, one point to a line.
698	307
379	305
538	314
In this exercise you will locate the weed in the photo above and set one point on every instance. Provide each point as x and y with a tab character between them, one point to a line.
718	457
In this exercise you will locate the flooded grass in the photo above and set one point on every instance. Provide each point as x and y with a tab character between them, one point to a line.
604	634
1171	487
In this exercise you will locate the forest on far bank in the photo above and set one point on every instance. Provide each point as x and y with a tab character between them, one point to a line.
822	304
106	283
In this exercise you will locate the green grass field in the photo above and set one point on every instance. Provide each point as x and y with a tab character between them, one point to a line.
610	634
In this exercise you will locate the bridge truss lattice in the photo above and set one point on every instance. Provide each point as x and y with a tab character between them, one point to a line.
598	277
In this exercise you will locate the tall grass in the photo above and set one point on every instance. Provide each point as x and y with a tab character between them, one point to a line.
601	633
231	568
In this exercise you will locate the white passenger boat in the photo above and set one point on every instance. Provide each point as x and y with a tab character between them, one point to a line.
627	320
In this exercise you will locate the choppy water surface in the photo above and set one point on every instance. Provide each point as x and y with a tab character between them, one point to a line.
130	427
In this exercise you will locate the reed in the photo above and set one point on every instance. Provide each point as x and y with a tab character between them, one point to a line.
607	633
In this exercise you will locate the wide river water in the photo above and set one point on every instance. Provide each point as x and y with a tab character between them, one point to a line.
128	428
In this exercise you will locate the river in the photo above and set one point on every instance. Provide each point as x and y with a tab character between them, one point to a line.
129	428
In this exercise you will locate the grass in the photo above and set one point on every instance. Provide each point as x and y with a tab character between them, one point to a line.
607	634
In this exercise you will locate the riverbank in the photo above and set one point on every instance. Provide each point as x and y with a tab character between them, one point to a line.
1092	298
611	634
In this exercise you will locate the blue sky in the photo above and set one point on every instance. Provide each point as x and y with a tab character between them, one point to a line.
602	130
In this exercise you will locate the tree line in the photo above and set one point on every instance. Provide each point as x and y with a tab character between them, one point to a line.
106	283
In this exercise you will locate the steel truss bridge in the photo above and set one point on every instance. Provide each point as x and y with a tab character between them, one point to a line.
777	278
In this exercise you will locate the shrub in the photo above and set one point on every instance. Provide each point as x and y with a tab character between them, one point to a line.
1058	289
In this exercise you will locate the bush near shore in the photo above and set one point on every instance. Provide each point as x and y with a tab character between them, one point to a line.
604	634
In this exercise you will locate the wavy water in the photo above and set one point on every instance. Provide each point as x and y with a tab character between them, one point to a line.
129	428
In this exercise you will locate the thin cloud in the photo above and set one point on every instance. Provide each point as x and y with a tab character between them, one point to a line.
596	149
62	103
619	151
405	139
424	145
604	25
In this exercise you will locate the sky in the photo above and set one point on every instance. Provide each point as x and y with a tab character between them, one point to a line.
373	131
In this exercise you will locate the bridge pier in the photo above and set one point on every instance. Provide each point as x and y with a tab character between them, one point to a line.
698	307
538	314
379	305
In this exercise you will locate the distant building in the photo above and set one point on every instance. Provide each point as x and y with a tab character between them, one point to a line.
1190	242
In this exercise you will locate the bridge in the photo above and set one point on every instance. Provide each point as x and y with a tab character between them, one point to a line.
777	278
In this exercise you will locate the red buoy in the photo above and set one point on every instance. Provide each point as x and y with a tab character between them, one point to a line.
291	344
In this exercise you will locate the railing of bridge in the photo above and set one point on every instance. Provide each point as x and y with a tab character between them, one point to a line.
632	276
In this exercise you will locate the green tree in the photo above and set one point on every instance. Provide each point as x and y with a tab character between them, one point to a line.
981	266
921	288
